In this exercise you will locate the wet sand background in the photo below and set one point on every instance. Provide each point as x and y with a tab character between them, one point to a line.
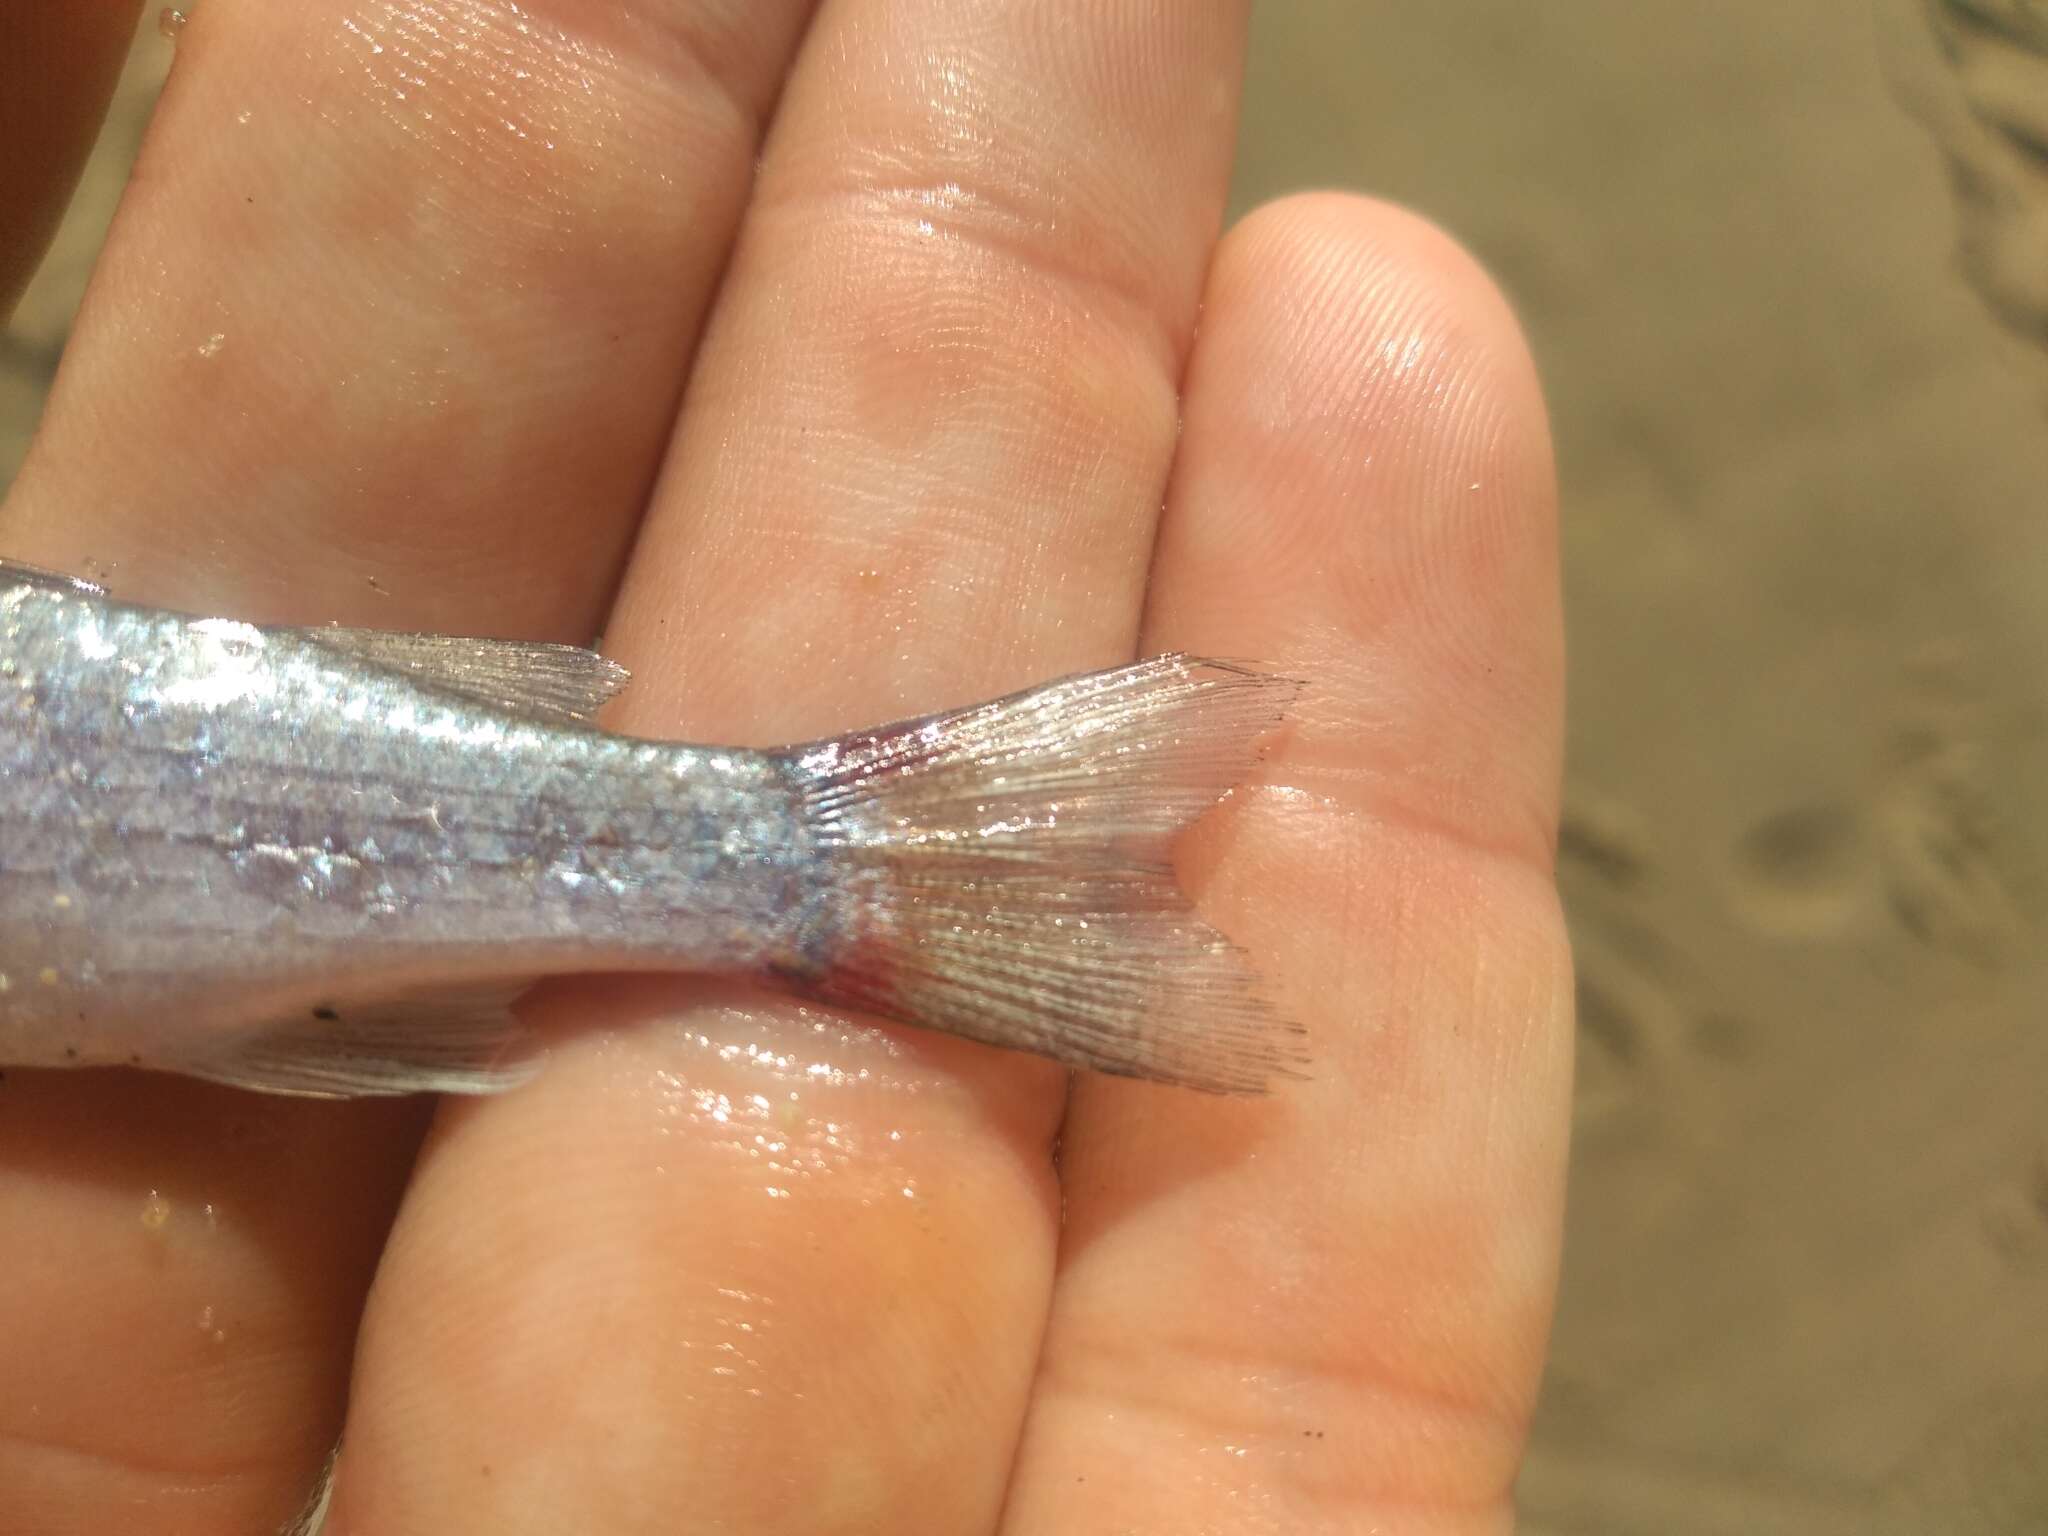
1804	466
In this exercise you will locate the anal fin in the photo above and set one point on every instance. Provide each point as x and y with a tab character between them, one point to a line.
466	1042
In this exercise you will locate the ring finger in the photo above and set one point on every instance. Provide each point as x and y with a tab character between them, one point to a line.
756	1263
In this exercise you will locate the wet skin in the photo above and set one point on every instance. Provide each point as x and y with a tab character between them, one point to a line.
838	364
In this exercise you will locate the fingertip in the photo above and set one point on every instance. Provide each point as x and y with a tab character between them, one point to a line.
1366	490
1349	246
1380	322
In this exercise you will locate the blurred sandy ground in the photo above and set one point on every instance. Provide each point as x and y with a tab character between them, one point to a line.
31	341
1806	854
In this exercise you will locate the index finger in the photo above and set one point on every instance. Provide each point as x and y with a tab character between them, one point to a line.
1327	1309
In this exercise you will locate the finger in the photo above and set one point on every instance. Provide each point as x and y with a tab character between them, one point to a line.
183	1271
1325	1311
388	331
766	1268
392	321
57	74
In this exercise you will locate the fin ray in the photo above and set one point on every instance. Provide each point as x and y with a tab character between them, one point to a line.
463	1041
559	684
1015	863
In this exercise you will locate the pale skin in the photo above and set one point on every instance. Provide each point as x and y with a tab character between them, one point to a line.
839	363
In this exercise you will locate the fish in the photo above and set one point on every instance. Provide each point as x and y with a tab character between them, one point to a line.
329	861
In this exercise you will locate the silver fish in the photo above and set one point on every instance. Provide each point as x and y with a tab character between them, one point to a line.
326	861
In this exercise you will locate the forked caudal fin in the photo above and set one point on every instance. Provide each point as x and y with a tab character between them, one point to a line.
1010	873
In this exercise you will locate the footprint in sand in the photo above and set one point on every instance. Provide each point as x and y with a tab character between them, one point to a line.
1804	870
1603	861
1947	863
1975	73
1921	848
1637	1013
1940	852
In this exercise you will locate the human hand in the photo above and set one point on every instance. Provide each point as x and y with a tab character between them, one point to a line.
453	315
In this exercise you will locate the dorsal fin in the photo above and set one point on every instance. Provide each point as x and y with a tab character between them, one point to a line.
558	684
18	573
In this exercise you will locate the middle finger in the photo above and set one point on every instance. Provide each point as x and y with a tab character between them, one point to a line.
762	1263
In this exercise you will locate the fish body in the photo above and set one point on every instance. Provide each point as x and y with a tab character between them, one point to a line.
326	861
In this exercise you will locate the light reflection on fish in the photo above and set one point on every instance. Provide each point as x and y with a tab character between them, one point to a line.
326	861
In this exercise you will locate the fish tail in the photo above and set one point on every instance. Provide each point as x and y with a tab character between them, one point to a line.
1004	873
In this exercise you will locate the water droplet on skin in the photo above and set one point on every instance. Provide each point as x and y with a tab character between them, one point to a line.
156	1212
243	116
212	345
206	1319
170	21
